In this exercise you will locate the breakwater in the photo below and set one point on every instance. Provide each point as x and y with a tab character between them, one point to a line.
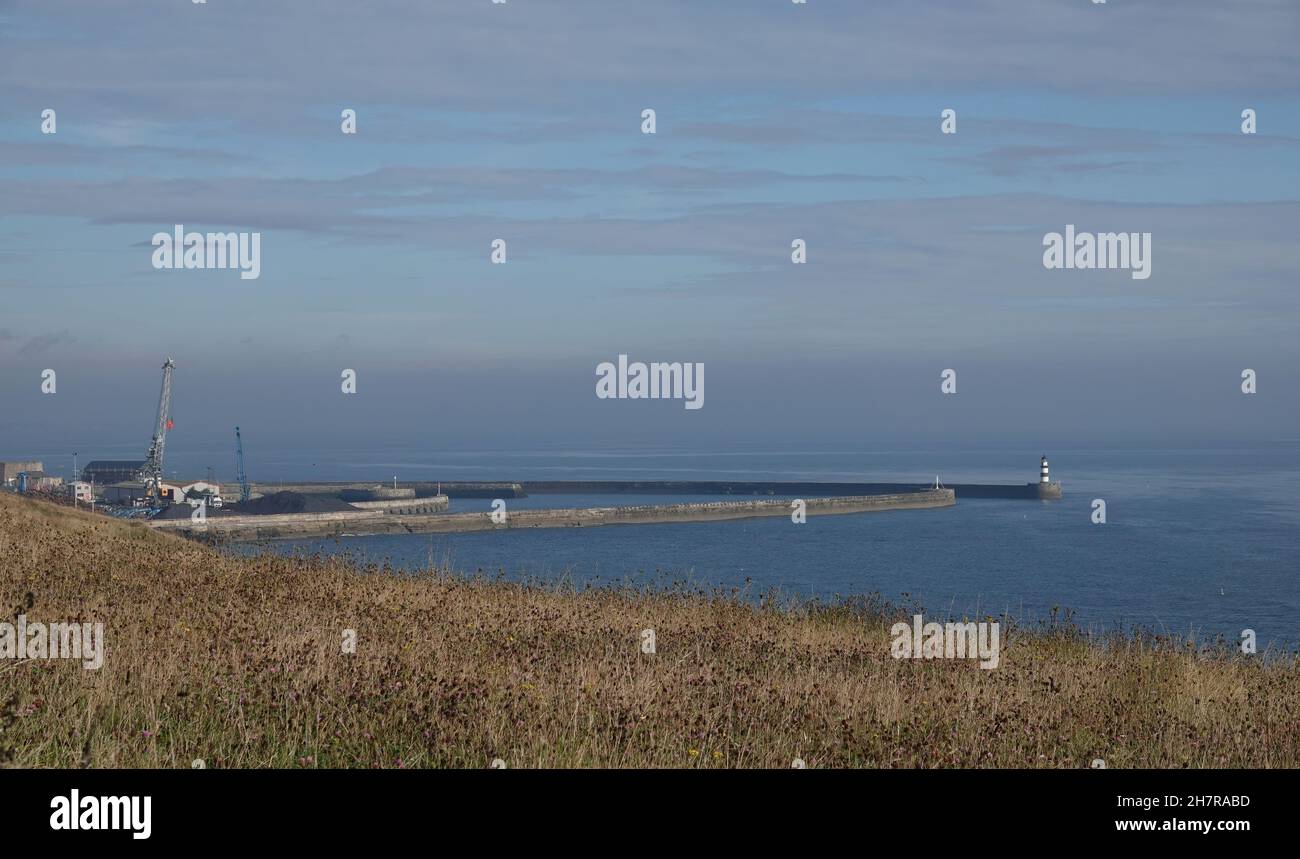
522	489
406	506
779	487
364	522
353	492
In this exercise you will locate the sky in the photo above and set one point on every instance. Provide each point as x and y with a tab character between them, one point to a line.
775	121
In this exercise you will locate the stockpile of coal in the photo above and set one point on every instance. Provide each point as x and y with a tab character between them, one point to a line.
279	503
182	511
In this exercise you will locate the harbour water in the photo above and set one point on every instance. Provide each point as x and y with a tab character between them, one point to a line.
1200	543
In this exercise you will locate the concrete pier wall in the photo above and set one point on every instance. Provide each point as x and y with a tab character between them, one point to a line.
376	493
309	524
476	489
778	487
351	492
282	526
246	528
408	506
1048	491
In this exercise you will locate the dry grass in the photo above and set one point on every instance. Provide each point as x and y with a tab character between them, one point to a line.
237	661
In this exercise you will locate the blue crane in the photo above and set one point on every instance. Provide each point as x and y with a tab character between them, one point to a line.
242	477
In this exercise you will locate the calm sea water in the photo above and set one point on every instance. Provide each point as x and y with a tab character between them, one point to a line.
1196	542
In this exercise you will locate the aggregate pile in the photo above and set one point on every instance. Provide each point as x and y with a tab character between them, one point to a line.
278	503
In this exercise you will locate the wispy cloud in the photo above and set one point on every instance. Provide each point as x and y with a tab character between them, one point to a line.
45	342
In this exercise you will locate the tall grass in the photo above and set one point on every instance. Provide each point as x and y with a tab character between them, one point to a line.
237	661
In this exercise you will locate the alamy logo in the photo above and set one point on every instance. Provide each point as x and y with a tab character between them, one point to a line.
211	250
1103	250
654	381
36	640
103	812
946	641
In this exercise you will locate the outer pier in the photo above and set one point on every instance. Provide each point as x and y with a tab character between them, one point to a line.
793	488
366	522
797	489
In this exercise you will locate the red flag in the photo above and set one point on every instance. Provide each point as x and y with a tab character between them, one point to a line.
170	424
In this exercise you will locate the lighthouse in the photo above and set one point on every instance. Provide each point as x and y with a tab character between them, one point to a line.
1042	473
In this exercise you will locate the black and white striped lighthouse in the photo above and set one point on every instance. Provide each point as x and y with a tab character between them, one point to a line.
1043	478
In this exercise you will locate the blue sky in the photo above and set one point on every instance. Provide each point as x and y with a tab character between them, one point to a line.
775	121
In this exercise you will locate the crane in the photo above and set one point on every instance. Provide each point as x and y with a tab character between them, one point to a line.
242	477
151	474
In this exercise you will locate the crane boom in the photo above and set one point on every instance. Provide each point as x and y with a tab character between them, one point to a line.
152	472
242	477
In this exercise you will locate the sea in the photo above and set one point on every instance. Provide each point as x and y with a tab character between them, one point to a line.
1196	543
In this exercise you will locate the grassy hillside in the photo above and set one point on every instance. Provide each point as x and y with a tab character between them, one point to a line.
238	662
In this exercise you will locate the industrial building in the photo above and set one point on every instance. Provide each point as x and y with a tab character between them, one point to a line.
38	481
107	471
197	493
9	471
124	494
